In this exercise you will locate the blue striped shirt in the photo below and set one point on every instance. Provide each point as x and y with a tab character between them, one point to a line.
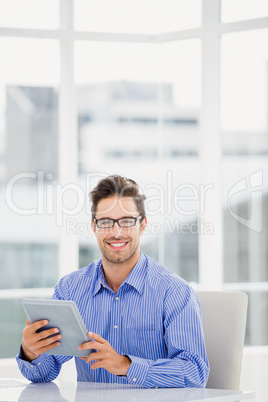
154	319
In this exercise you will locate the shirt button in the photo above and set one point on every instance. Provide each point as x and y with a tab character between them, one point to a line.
38	364
117	298
115	326
134	379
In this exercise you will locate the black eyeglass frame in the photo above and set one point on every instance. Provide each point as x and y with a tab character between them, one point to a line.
118	222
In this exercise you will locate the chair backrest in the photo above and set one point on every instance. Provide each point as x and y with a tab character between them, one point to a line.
224	317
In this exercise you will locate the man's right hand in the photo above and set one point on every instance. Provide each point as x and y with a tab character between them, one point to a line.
35	343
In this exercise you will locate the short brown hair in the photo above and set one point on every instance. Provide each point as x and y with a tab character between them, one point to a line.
119	186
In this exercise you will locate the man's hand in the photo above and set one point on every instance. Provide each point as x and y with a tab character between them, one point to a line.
35	343
106	357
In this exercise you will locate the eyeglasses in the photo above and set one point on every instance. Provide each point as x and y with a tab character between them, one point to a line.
106	223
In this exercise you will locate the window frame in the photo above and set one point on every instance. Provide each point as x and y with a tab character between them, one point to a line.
210	247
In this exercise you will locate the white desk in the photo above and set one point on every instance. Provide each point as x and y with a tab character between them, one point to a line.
23	390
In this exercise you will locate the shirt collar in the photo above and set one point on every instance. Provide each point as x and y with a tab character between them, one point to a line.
137	275
99	279
136	278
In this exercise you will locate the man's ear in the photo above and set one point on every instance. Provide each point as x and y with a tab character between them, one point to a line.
143	226
93	225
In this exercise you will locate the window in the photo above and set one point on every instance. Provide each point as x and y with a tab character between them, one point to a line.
137	17
238	10
162	92
245	148
152	98
29	14
28	172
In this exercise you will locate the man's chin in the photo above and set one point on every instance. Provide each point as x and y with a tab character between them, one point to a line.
117	260
120	258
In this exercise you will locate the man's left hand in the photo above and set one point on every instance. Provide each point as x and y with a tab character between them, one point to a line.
106	357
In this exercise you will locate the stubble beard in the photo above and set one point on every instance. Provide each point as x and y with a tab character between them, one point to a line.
119	259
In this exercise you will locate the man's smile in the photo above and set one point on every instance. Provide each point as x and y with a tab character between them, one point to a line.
117	245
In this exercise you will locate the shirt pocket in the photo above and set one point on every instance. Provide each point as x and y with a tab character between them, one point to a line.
148	344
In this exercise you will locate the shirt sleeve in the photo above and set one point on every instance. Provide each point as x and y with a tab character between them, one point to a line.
46	367
43	369
187	363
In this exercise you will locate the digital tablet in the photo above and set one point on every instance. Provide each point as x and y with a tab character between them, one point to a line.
62	314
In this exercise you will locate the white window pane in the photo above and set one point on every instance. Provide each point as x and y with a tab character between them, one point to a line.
257	323
30	265
244	82
176	62
245	218
37	14
139	118
238	10
28	162
139	16
28	106
245	169
38	61
11	329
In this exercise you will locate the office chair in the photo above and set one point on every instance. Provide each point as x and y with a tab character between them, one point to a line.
224	322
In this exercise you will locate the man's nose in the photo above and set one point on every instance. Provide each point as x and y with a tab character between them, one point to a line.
116	229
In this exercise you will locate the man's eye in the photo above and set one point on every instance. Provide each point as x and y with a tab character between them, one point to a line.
127	221
105	222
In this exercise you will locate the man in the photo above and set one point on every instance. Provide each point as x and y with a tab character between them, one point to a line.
144	320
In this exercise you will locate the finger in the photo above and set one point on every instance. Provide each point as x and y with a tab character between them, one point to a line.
38	347
95	356
48	347
48	332
35	326
99	364
36	344
96	337
31	329
48	341
39	324
92	345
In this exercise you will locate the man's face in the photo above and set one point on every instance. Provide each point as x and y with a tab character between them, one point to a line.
117	244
